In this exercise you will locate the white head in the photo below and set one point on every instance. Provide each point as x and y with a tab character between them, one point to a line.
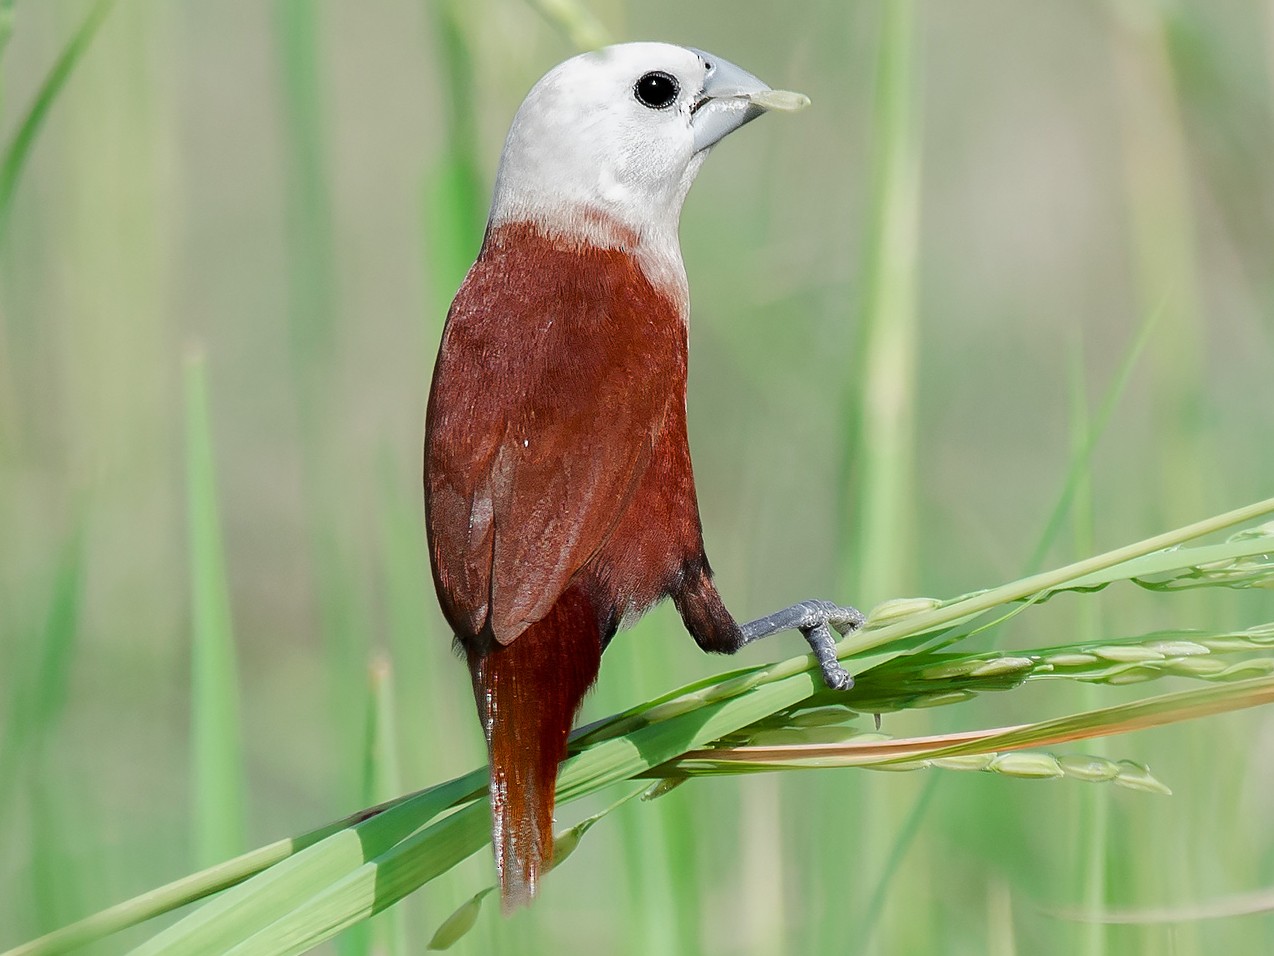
614	138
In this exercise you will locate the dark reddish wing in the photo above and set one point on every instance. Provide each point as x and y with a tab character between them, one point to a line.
561	369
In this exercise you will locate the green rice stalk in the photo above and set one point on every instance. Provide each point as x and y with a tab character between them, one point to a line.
1074	489
878	751
1160	555
1143	560
386	878
216	747
306	899
935	679
886	406
354	872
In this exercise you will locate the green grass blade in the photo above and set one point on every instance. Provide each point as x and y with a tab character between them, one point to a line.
385	879
1082	456
382	776
313	272
381	779
351	879
902	842
6	24
375	885
217	750
259	901
38	699
1090	572
1159	197
452	193
19	148
455	201
362	870
311	255
189	889
56	876
886	407
1153	556
575	22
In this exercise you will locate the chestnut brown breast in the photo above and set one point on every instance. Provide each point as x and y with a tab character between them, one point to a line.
555	438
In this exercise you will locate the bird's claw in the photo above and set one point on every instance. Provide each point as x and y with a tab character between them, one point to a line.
836	677
819	637
843	618
815	620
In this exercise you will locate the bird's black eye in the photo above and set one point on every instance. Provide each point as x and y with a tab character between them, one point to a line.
656	90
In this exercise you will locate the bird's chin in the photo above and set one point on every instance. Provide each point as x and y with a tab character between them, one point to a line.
714	118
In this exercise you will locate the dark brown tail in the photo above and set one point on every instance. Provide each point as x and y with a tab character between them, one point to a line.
528	694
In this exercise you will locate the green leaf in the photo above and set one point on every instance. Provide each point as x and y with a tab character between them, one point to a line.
19	148
261	900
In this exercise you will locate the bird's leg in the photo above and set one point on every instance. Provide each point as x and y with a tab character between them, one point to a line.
814	619
714	629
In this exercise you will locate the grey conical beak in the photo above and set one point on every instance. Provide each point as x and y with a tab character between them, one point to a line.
731	97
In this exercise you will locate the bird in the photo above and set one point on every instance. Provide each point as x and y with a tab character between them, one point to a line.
560	503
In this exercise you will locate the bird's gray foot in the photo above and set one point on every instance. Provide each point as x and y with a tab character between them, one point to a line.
815	620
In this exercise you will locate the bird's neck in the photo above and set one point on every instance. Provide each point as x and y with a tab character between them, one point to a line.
655	249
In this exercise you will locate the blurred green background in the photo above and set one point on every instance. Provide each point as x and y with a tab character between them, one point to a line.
909	302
